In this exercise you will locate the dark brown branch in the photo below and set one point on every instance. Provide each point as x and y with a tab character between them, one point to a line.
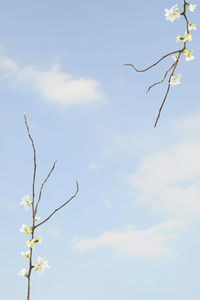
72	197
185	16
29	272
161	107
144	70
161	81
168	88
41	188
35	165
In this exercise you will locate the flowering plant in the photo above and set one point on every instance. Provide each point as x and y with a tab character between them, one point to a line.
171	15
41	263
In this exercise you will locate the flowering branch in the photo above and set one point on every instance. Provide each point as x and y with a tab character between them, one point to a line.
174	79
40	264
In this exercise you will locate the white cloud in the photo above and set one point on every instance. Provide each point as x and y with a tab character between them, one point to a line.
188	128
148	243
53	84
8	65
165	182
168	182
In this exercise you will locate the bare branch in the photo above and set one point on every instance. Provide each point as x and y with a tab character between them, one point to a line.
35	165
159	82
168	88
72	197
185	15
41	188
161	107
144	70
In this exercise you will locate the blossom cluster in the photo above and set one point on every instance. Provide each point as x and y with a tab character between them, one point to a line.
26	201
26	229
171	15
185	38
31	243
41	263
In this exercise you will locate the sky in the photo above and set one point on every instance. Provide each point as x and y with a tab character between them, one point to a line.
133	230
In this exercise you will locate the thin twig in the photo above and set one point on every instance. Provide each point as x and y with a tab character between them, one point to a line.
161	107
35	165
161	81
184	14
167	92
72	197
41	188
153	65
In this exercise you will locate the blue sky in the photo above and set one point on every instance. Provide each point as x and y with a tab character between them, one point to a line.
133	230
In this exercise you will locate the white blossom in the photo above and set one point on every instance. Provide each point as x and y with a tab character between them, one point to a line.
188	54
31	243
40	265
37	219
172	13
180	38
175	57
26	201
23	273
38	240
192	26
175	79
191	7
25	254
185	38
26	229
188	37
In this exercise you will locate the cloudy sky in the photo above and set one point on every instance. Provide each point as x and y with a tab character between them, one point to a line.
133	230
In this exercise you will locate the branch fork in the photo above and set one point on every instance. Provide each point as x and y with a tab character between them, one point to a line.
35	206
172	67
